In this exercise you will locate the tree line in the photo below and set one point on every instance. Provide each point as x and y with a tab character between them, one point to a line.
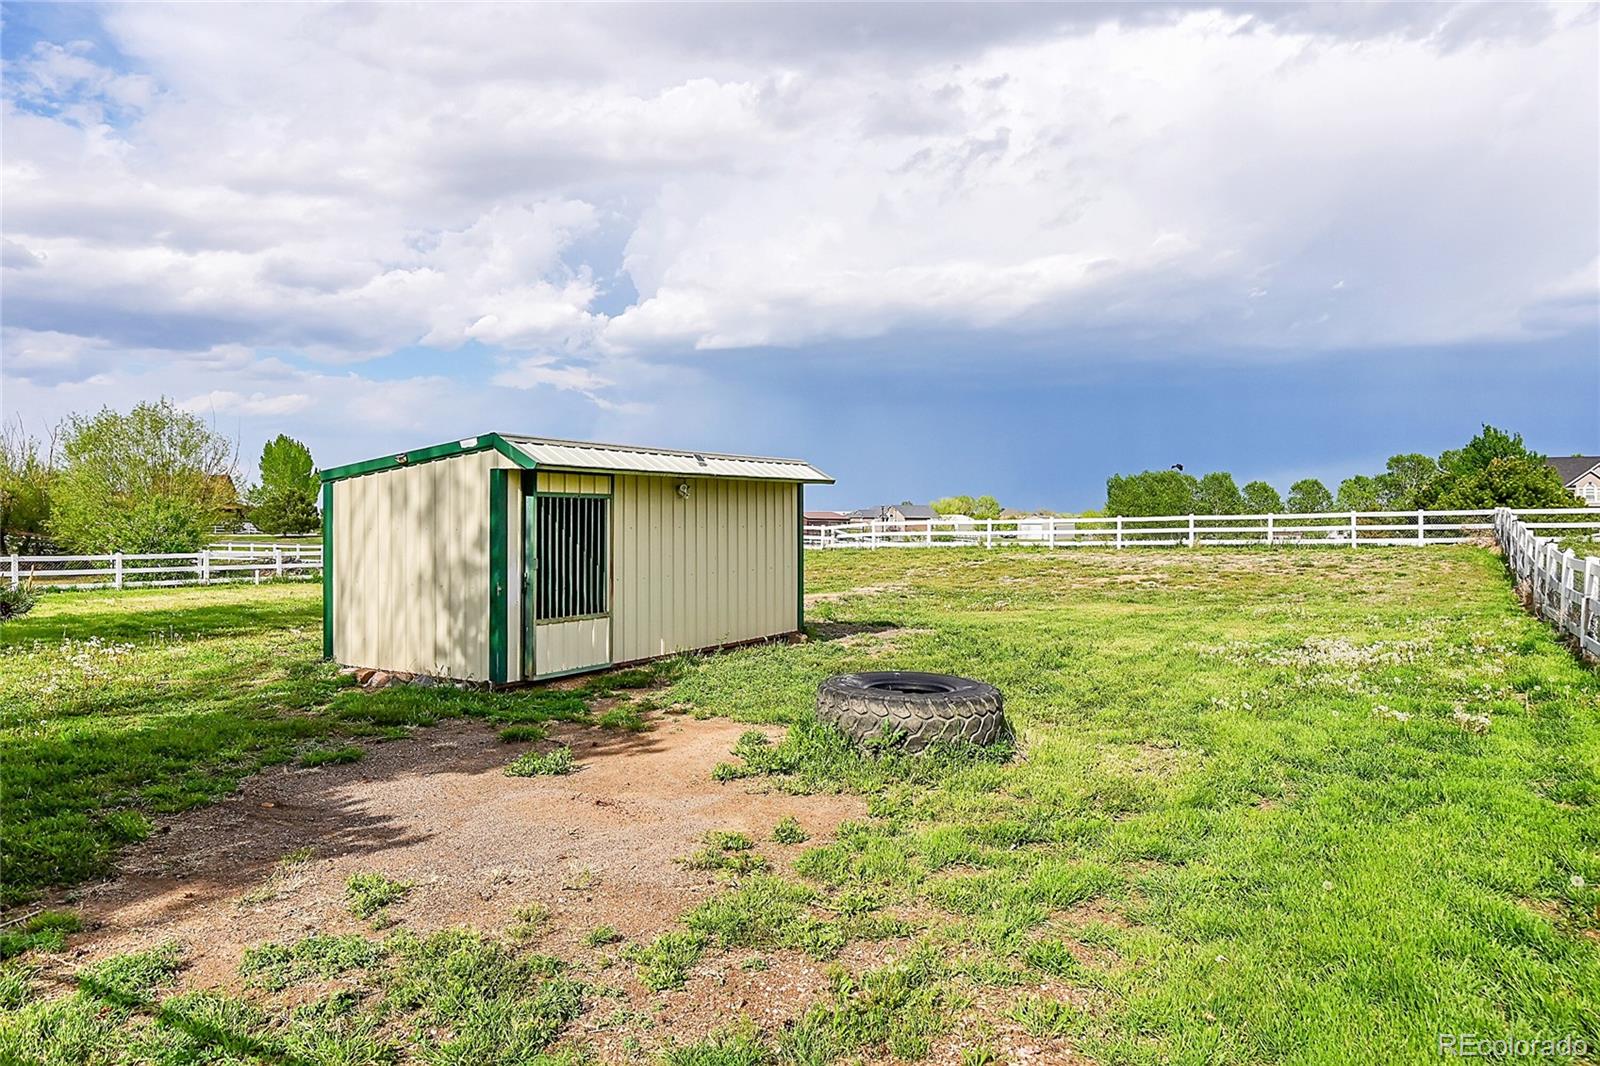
1493	469
156	479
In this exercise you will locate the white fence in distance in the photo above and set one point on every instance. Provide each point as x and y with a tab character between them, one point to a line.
1342	528
1562	586
218	565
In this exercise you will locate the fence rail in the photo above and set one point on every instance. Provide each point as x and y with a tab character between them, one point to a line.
1343	528
1562	586
151	570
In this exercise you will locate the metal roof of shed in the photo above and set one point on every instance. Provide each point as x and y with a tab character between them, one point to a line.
628	458
535	452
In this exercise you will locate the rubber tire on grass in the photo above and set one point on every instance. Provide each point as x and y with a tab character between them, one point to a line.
922	709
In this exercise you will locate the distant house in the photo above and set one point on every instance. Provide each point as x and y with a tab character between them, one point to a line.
822	519
1581	475
905	511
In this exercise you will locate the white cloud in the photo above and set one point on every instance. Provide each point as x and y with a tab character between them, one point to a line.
347	181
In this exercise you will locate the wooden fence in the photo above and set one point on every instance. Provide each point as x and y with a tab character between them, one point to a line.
147	570
1562	586
1328	528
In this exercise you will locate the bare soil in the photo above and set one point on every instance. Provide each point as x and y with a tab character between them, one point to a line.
598	846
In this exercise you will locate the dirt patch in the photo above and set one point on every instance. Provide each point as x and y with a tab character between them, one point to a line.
875	638
598	846
845	594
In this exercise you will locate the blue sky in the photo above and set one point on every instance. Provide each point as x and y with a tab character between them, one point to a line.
932	249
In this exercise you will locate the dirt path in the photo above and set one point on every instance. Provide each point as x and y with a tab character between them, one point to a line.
599	846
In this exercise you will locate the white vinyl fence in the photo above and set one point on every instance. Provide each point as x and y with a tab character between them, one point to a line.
240	562
1343	528
1563	587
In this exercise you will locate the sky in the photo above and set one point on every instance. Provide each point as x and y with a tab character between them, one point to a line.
932	249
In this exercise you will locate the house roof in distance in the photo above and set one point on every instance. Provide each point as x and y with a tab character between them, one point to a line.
1572	467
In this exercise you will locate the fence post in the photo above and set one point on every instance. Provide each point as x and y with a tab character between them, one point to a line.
1564	569
929	531
1119	531
989	527
277	561
1191	531
1585	612
1420	539
1269	530
117	565
16	570
204	567
1352	529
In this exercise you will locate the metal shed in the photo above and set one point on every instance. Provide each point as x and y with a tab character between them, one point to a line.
504	558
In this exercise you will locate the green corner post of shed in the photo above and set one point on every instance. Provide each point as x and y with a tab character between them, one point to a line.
800	559
327	569
498	565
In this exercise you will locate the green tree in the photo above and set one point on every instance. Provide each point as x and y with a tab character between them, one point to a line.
1217	494
286	499
1359	493
1490	444
25	476
1407	482
985	506
1261	498
1507	481
151	480
953	505
1153	492
1309	495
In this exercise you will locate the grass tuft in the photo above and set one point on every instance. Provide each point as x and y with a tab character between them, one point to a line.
365	894
347	753
533	764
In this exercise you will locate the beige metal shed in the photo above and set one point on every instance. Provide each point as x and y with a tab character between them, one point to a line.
504	558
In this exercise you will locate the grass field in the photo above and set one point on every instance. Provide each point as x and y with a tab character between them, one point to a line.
1309	806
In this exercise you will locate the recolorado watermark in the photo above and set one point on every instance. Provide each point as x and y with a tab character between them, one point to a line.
1478	1046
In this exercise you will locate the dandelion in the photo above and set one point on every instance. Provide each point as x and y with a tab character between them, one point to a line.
1577	881
1327	886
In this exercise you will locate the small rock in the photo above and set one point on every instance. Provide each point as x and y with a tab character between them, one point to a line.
424	681
364	675
379	679
348	671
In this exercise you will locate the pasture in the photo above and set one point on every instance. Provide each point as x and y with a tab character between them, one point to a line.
1301	805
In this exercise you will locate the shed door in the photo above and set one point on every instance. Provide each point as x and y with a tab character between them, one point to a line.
569	581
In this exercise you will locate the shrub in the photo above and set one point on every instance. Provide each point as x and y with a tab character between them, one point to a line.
16	601
367	894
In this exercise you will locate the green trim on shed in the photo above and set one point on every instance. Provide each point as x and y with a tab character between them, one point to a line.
800	559
498	562
327	569
482	443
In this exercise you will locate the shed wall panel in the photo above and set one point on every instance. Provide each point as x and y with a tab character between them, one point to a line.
411	568
719	567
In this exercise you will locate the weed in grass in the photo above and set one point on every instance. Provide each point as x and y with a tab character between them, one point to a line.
529	923
365	894
899	1008
532	764
666	961
45	931
1044	1017
299	856
739	1046
601	935
16	985
1054	958
522	734
788	831
276	966
347	753
623	716
982	1055
755	964
131	978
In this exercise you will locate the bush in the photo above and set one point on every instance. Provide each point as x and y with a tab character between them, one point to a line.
16	601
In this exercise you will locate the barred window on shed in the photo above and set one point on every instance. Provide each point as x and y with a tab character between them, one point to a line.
571	557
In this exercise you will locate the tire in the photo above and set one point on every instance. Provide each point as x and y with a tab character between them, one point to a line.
920	709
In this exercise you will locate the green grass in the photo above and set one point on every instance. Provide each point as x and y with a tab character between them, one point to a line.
1251	813
366	894
788	831
45	931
